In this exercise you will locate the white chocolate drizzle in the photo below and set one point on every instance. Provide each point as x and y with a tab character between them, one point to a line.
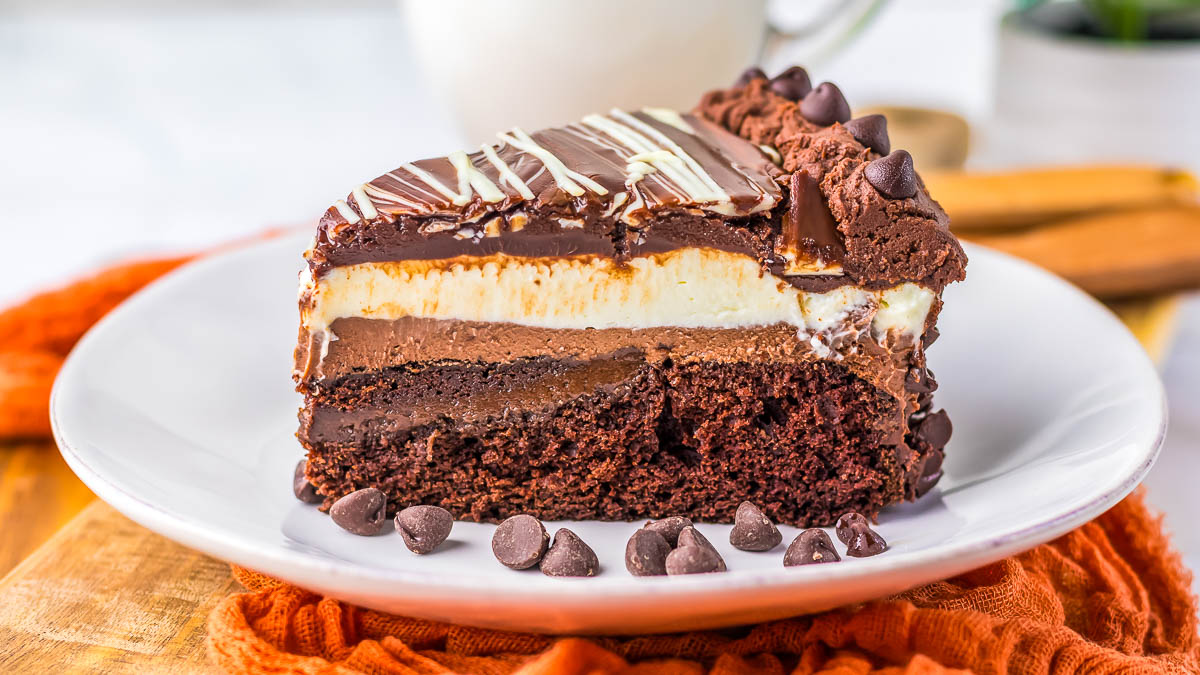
630	163
364	202
459	198
671	117
347	212
565	177
715	193
471	178
506	174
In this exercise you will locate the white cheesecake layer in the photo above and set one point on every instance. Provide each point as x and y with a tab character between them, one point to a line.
689	287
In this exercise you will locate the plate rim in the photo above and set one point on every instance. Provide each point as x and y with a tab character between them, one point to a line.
349	578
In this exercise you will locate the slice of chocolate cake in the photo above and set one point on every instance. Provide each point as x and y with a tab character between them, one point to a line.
641	314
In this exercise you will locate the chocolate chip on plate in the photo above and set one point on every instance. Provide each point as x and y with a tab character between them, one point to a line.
669	527
753	530
848	520
871	131
864	542
690	537
855	532
423	528
361	512
792	84
520	542
810	547
646	553
569	556
825	105
694	560
304	490
893	175
751	73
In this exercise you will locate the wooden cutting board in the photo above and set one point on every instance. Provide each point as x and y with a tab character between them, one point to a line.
104	595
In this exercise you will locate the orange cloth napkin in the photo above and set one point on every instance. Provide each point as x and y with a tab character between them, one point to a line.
36	336
1109	597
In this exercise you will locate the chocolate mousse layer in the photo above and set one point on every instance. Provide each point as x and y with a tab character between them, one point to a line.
365	345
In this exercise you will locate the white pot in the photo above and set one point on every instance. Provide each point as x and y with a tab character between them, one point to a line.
1069	99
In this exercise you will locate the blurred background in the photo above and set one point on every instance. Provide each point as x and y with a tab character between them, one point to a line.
1064	131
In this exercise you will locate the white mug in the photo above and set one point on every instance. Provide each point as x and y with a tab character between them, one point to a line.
540	63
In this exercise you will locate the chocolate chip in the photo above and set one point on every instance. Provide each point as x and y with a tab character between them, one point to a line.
925	399
520	542
753	530
424	527
931	472
825	105
810	547
690	537
871	131
669	528
864	542
304	490
893	175
646	554
569	556
792	84
694	560
935	429
919	380
751	73
847	521
361	512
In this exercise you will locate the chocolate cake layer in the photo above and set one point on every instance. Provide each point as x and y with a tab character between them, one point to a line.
807	441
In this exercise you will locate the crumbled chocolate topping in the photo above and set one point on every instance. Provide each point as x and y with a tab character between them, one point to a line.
886	239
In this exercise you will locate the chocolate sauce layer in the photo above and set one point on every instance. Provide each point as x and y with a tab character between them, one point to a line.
470	393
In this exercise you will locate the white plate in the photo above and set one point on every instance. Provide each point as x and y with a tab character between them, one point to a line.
178	410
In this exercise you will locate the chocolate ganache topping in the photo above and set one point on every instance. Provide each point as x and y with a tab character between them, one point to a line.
634	163
577	189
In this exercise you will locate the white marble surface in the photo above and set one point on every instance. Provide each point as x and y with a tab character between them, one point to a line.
127	128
